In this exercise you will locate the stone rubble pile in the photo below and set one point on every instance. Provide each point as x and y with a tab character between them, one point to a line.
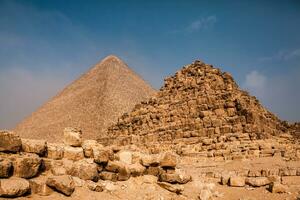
200	111
37	167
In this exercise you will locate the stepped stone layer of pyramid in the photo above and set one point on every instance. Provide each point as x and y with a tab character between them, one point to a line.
91	103
203	110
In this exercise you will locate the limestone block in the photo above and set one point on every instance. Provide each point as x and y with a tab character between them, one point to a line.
73	153
34	146
10	142
38	186
5	168
258	181
237	181
154	171
72	137
108	176
88	146
27	165
277	188
96	187
177	177
14	187
137	169
149	160
168	160
55	151
85	169
63	184
102	155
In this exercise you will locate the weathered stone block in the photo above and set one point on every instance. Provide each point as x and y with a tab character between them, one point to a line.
55	151
85	169
88	146
72	137
5	168
34	146
9	141
237	181
14	187
258	181
38	186
168	160
108	176
27	166
73	153
63	184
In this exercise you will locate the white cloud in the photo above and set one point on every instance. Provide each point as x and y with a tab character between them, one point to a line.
278	92
283	55
202	23
255	82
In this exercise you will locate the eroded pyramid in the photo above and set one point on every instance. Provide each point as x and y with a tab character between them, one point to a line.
203	109
92	103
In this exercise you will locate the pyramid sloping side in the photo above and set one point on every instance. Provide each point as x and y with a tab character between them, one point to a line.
198	102
91	103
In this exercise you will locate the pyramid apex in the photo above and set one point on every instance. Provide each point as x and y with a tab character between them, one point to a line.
111	58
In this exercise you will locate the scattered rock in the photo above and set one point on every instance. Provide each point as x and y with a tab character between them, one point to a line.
177	177
102	155
72	137
277	188
154	171
125	157
38	186
85	169
150	160
55	151
137	169
26	165
73	153
5	168
9	142
63	184
237	181
34	146
168	160
178	189
108	176
14	187
257	182
88	146
97	187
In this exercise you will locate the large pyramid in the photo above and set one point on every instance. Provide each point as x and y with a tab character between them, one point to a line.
201	107
92	103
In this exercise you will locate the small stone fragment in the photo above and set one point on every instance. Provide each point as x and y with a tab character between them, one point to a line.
178	189
168	160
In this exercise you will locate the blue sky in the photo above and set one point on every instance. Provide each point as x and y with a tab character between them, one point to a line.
44	45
